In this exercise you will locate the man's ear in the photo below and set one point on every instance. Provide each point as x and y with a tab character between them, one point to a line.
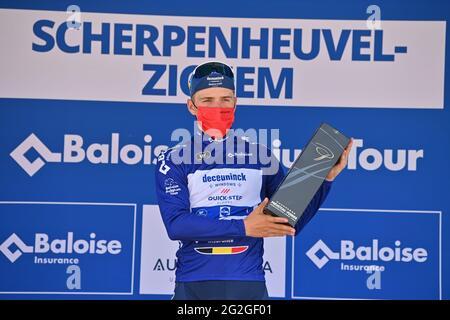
192	109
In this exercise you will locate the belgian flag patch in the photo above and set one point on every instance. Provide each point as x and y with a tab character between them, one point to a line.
221	250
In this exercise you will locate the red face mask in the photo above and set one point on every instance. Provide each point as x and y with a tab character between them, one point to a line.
215	121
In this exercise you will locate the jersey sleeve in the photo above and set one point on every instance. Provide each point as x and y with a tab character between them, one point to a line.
172	194
313	205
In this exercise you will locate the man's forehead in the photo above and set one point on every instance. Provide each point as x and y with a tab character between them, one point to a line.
214	92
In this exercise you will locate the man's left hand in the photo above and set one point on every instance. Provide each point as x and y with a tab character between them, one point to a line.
340	165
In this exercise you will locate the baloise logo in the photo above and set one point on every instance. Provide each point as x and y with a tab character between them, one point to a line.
364	253
96	153
43	245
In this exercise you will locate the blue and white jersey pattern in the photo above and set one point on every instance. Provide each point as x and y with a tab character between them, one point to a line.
203	204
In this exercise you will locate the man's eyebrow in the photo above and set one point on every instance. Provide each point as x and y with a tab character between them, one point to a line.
204	98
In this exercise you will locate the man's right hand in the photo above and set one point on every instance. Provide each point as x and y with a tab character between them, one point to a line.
260	225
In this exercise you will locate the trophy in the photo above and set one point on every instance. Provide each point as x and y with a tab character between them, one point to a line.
307	173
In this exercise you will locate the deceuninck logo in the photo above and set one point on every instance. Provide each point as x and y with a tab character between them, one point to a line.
371	253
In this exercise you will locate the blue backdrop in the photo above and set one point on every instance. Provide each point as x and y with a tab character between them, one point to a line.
393	219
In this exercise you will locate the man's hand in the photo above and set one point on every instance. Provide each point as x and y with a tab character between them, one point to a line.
340	165
261	225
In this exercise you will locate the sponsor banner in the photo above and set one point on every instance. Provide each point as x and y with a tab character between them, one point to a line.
67	248
111	150
369	254
141	58
89	100
275	266
158	259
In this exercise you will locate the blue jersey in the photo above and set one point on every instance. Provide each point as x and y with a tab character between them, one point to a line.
203	205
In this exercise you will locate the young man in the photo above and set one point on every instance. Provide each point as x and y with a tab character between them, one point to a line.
214	206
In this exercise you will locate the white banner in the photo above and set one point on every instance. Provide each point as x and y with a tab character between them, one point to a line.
142	58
